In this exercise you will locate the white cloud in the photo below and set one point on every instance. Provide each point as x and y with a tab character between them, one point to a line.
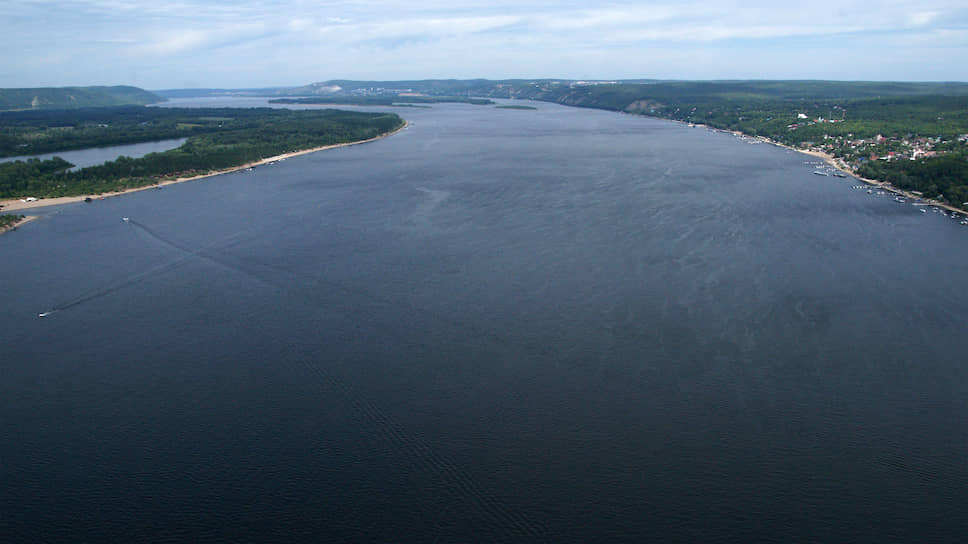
605	18
176	42
300	24
244	40
923	17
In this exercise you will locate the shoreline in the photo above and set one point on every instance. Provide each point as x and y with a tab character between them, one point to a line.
832	161
16	204
13	226
829	160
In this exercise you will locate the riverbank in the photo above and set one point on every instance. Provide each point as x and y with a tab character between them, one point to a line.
836	164
15	205
830	161
13	226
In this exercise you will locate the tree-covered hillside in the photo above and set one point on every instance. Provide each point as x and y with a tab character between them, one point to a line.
618	94
74	97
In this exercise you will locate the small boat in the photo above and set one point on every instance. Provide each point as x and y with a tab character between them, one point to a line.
820	173
125	219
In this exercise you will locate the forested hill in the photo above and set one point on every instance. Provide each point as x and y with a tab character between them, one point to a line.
618	94
74	97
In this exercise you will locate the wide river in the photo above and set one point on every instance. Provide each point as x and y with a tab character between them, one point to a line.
562	325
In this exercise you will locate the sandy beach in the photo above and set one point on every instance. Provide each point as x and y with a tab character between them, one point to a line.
16	205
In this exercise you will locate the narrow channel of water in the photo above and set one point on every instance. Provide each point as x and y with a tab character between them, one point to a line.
82	158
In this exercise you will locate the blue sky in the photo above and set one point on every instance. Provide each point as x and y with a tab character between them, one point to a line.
250	43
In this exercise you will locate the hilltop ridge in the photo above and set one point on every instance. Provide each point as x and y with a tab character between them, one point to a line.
74	97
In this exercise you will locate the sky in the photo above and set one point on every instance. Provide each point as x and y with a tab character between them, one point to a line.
166	44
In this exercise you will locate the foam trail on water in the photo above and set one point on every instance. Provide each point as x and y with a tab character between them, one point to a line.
202	253
136	278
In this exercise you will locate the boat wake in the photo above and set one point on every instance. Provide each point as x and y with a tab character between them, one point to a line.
116	286
207	252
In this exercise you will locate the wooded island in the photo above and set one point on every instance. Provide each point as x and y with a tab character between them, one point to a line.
218	138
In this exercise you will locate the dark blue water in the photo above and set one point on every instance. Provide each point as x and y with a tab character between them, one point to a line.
561	325
82	158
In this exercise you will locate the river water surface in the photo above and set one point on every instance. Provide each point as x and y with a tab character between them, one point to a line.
562	325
